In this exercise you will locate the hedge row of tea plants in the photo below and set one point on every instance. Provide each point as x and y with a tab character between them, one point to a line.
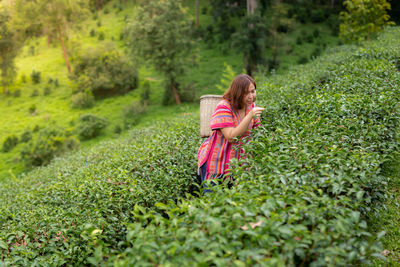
55	214
312	171
311	175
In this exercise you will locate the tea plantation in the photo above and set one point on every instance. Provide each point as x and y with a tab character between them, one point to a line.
300	198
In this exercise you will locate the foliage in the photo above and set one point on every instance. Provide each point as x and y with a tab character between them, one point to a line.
26	136
9	48
35	76
251	40
86	199
82	100
145	95
9	143
161	34
313	170
224	14
90	126
46	91
363	18
49	142
227	77
52	18
132	113
302	194
104	71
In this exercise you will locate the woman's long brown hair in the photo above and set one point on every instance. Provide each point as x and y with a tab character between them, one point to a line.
238	89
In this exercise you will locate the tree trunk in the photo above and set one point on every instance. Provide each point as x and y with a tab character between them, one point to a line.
64	49
175	92
197	13
332	4
99	5
251	6
275	48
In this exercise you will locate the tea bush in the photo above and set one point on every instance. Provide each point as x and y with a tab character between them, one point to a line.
312	172
88	197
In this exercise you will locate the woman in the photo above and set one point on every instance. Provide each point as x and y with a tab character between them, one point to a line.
233	117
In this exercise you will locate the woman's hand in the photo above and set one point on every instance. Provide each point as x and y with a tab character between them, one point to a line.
232	132
256	112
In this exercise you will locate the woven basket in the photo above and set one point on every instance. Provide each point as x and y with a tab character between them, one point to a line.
208	103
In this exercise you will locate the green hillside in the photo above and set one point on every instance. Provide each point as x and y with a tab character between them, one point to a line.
32	106
301	198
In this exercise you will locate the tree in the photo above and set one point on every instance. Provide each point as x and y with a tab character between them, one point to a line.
251	41
9	49
277	17
161	35
54	17
197	13
362	19
104	71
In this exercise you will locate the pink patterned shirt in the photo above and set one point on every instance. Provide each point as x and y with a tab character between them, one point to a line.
216	150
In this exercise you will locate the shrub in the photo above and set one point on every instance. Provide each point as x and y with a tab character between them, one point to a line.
302	60
145	95
309	38
90	126
104	71
316	33
82	100
317	15
32	109
56	83
35	76
26	136
32	50
204	10
99	23
23	78
35	92
49	142
92	33
9	143
117	129
316	52
17	93
46	91
101	36
132	113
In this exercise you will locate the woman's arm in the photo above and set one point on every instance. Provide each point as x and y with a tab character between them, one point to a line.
232	132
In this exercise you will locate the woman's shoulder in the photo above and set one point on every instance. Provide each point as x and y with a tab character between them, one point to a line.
224	103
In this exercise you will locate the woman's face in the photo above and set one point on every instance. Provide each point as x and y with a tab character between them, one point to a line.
250	95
